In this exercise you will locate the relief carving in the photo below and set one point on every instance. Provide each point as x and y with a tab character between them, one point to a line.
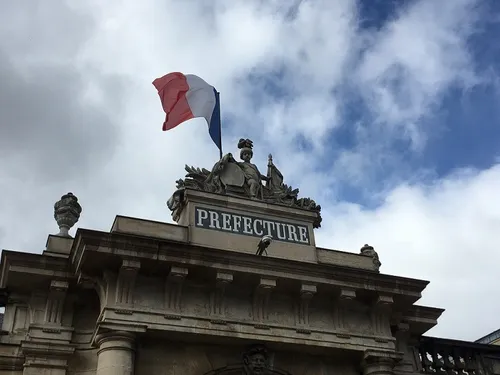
380	315
255	361
55	301
173	289
307	292
261	301
217	301
343	301
125	283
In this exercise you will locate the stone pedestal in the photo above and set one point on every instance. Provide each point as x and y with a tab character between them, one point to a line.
379	362
116	353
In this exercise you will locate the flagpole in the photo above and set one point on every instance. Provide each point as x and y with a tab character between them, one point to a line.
220	126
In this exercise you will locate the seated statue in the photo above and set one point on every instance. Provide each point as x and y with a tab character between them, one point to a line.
247	173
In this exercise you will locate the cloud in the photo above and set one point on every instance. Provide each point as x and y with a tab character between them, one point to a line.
50	124
443	232
327	97
413	60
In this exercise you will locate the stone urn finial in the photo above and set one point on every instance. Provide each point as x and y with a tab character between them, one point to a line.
67	212
369	251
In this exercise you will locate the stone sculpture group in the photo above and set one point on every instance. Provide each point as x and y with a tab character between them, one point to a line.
243	179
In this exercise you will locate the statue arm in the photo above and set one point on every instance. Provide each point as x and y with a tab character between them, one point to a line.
228	158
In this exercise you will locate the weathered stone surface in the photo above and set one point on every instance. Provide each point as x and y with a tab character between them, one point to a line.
154	298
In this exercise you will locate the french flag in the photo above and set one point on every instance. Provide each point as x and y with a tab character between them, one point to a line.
186	96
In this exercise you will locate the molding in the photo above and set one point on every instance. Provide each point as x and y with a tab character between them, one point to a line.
29	264
236	329
178	252
46	348
11	363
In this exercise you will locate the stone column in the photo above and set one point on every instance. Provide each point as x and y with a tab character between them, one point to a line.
377	362
116	353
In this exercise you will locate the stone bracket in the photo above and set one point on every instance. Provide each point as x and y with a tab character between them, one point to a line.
125	282
261	299
307	292
380	315
217	301
55	301
342	301
173	288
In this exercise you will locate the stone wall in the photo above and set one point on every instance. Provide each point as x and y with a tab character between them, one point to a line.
161	358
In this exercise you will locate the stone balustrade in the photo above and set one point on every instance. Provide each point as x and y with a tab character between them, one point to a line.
454	357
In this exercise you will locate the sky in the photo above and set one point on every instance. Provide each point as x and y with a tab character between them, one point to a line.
385	112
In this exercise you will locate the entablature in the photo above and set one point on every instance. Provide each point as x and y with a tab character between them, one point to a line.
94	251
22	271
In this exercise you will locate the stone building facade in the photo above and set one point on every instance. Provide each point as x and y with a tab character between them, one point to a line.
237	286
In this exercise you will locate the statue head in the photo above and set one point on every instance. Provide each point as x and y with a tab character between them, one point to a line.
246	153
256	360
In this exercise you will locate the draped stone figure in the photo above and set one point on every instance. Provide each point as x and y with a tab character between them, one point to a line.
243	179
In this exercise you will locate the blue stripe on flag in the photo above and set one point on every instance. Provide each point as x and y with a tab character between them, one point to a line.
215	124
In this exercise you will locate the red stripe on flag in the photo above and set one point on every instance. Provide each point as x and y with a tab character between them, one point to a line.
172	90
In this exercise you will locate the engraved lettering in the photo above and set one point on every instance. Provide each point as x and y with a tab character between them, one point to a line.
226	221
281	235
303	234
202	215
292	235
247	225
214	220
236	223
269	227
257	231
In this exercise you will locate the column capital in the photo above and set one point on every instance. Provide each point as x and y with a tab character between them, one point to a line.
379	362
114	335
116	352
115	340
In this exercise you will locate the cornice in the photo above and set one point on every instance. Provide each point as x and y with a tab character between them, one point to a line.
32	264
133	246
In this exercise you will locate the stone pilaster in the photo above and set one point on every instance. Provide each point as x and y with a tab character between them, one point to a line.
261	301
307	292
55	302
42	357
380	315
173	291
343	301
377	362
116	353
125	283
217	303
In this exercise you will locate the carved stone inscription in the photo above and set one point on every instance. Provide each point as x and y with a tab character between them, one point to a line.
251	226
